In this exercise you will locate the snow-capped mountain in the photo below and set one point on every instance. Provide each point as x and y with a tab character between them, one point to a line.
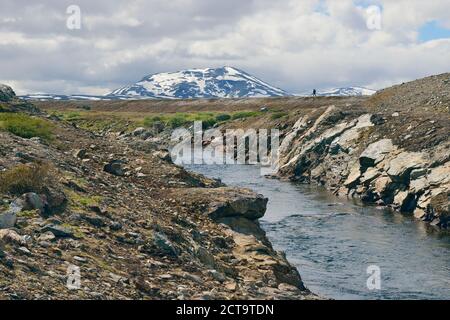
225	82
342	92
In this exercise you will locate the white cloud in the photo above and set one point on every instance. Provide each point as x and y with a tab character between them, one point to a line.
294	44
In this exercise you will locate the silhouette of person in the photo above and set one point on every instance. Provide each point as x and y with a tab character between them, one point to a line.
314	93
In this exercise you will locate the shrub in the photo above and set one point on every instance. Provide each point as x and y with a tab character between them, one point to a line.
25	126
178	120
223	117
25	178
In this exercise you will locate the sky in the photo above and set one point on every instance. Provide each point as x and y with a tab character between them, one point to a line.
296	45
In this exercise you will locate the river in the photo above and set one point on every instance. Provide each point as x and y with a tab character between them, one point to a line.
332	241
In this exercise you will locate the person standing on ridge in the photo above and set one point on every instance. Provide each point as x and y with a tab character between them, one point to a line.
314	93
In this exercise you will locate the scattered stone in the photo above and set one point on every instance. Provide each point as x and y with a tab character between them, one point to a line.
163	244
115	167
47	236
11	236
80	259
58	231
80	154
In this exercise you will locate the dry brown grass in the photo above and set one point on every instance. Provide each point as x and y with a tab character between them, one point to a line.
25	178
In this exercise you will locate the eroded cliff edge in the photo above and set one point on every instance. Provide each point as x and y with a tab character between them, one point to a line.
391	150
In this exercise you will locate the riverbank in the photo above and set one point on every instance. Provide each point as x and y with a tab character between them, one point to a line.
89	216
333	240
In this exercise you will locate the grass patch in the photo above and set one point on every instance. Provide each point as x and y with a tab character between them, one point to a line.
25	126
244	114
78	202
25	178
176	120
278	114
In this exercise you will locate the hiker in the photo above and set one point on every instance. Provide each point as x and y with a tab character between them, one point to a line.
314	93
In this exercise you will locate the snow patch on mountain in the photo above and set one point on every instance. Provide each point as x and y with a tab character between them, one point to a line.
226	82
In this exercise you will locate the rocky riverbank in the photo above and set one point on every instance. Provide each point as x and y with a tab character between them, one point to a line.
393	150
126	220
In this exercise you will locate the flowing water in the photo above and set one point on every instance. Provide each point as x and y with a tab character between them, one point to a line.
332	241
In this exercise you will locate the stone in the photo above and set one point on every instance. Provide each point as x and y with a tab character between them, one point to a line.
55	200
354	175
138	131
381	184
6	93
376	152
418	185
419	214
439	175
58	231
80	259
163	155
205	257
8	219
369	175
80	153
11	236
94	220
29	201
417	173
400	166
242	204
115	226
217	275
163	244
24	251
47	236
115	167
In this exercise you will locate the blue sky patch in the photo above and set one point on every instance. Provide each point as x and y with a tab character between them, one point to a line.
433	30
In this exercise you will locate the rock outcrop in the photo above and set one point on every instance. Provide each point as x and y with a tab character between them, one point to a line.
349	153
6	93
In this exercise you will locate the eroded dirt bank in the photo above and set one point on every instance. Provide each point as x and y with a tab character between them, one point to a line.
136	226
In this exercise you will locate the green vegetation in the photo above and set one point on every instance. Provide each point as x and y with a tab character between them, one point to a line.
25	126
223	117
25	178
78	202
175	120
278	115
244	114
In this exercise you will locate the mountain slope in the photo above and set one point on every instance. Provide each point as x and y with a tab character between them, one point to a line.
226	82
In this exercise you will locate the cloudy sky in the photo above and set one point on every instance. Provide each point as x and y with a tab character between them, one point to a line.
293	44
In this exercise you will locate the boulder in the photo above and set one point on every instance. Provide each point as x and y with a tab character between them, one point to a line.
58	231
6	93
29	201
8	219
142	133
163	244
376	152
246	205
115	167
400	167
354	175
